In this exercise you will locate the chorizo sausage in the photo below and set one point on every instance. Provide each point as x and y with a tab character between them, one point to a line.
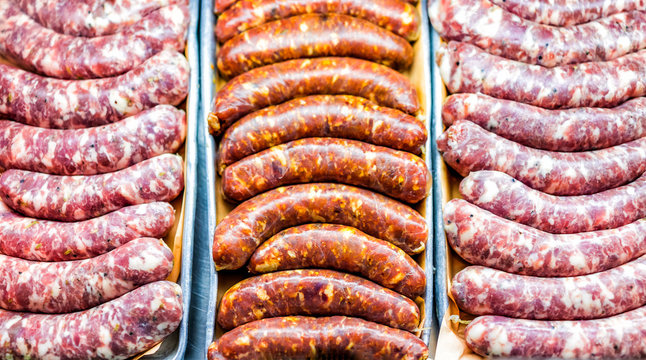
49	53
277	83
256	220
341	116
67	104
466	68
222	5
501	33
343	248
483	238
73	198
118	329
395	173
314	338
96	150
314	292
557	173
504	196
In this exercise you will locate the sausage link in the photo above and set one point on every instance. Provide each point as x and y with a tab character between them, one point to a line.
67	104
314	338
256	220
342	248
223	5
73	198
395	173
277	83
466	68
118	329
557	173
504	196
341	116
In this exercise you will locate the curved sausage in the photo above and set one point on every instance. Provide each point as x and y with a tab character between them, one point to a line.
340	116
502	33
395	173
314	292
118	329
466	68
68	104
222	5
49	53
325	337
557	173
396	16
98	150
483	238
43	240
277	83
309	36
342	248
256	220
73	198
504	196
576	129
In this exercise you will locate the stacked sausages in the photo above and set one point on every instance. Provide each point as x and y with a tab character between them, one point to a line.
86	155
318	134
549	130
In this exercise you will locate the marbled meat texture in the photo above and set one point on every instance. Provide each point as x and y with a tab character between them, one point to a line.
466	68
222	5
256	220
74	198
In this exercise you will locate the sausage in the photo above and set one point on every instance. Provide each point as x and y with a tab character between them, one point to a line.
483	238
504	196
313	35
222	5
98	150
256	220
326	337
501	33
341	116
117	329
42	240
576	129
66	104
49	53
557	173
343	248
396	16
395	173
69	286
74	198
314	292
466	68
277	83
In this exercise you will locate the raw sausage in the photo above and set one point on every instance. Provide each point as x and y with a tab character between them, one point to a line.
73	198
483	238
68	104
314	292
395	173
327	337
396	16
96	150
466	68
256	220
118	329
502	33
557	130
69	286
42	240
277	83
49	53
504	196
343	248
557	173
340	116
310	35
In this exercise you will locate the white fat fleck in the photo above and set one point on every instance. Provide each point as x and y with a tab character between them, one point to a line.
304	27
499	343
578	261
466	236
546	166
451	228
119	102
144	263
574	342
490	25
490	192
